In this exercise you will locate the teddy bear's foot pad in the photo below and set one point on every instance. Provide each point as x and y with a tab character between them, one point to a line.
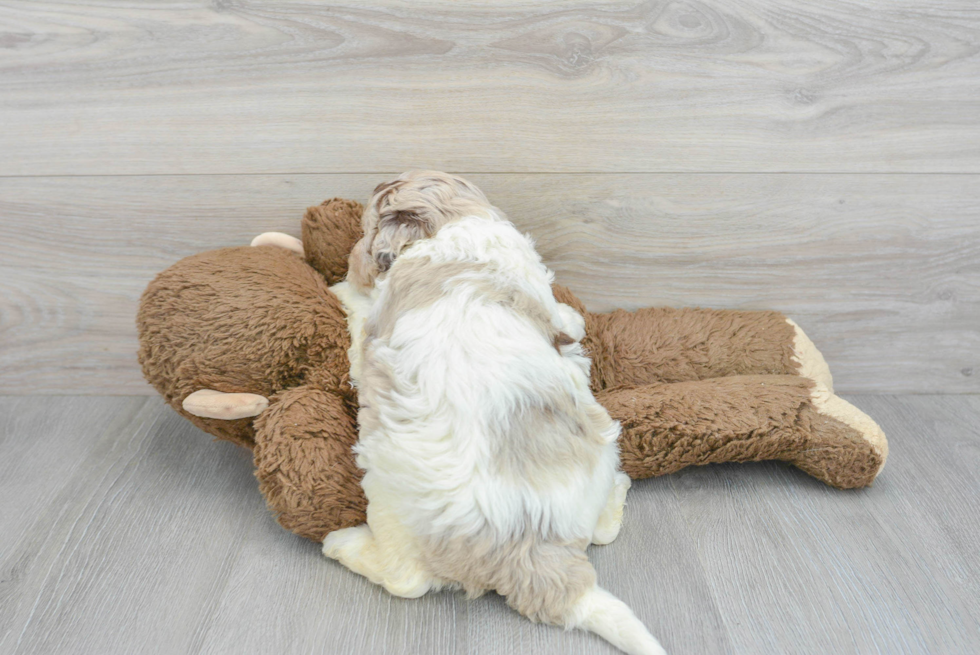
208	403
811	362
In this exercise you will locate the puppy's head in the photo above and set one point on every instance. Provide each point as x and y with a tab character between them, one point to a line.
411	207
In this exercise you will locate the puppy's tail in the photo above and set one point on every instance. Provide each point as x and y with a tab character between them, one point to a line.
555	583
600	612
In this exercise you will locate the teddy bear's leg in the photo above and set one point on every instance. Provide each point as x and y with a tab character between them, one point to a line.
667	427
305	463
611	519
832	408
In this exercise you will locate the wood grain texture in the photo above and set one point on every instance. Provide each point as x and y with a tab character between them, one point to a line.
132	531
122	558
888	569
883	271
116	87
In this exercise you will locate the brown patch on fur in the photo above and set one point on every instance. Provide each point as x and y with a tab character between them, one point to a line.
562	339
417	283
543	444
542	579
522	304
383	186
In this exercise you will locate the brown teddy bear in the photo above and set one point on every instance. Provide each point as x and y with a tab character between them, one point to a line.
250	345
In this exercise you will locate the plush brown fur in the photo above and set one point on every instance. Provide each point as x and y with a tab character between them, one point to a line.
667	427
689	386
245	319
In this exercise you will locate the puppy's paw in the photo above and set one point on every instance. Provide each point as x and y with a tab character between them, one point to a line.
606	532
611	519
357	549
573	324
410	582
347	545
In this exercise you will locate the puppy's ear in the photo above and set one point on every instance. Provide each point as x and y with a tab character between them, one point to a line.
397	229
384	260
384	186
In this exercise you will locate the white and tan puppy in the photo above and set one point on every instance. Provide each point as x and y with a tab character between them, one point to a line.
489	464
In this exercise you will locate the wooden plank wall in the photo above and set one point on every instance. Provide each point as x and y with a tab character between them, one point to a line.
821	158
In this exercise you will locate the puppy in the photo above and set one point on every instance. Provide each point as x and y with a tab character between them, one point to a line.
488	463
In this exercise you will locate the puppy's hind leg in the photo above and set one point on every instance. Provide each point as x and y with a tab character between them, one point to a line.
394	568
354	548
611	518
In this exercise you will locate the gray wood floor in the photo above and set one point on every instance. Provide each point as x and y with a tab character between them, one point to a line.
124	529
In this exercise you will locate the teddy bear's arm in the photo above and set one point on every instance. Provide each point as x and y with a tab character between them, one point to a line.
667	427
305	462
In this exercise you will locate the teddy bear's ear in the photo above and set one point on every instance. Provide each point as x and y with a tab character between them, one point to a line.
330	231
280	240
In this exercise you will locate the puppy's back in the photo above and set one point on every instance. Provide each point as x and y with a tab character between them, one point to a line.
483	436
462	348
